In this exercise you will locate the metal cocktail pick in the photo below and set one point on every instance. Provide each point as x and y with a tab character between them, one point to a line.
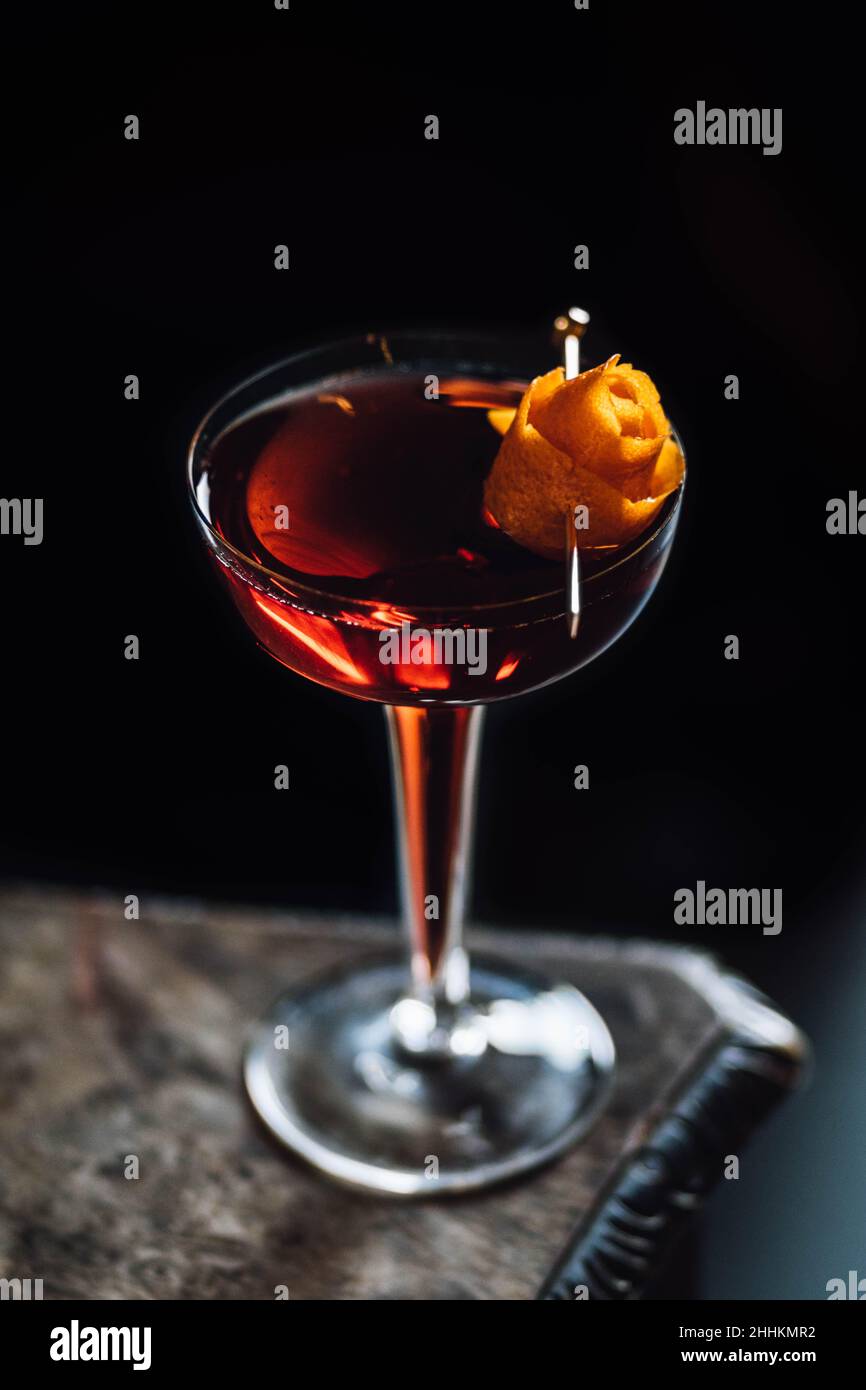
570	328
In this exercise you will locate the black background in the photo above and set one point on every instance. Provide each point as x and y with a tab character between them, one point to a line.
260	127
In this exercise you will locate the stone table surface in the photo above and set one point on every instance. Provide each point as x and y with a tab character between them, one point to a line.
123	1038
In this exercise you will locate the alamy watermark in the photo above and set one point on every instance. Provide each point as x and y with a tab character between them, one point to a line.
736	126
852	1287
439	646
20	1290
22	516
703	906
846	516
77	1343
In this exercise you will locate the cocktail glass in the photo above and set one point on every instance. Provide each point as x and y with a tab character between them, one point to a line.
451	1074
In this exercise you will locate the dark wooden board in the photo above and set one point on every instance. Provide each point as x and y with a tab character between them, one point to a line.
123	1038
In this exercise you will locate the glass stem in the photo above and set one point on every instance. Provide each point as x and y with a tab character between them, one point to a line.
434	760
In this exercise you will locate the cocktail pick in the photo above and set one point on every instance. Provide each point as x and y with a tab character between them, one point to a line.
572	577
570	328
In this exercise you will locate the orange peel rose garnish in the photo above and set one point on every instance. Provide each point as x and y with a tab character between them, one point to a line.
600	440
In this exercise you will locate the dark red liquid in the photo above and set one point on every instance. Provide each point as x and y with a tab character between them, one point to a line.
363	498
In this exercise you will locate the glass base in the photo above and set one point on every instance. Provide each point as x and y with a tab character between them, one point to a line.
526	1070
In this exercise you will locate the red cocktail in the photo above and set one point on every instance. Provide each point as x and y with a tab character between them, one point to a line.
341	497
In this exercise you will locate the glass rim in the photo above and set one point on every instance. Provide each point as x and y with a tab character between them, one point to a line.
299	587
